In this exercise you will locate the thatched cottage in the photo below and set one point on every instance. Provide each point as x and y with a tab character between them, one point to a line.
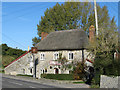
71	44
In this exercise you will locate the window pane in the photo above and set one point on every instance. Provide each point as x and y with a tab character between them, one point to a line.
42	56
56	56
70	56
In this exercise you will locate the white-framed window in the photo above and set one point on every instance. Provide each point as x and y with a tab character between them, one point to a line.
70	56
42	56
55	56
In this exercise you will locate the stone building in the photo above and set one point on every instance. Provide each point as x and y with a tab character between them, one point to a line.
72	44
22	65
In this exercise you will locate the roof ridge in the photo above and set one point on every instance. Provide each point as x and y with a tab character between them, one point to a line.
69	30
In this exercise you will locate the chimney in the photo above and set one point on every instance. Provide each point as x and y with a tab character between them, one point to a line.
91	33
43	35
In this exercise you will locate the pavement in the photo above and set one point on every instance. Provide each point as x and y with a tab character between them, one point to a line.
9	81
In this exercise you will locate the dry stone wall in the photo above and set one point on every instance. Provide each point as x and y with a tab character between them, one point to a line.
109	82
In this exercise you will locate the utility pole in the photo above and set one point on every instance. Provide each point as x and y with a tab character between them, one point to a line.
96	20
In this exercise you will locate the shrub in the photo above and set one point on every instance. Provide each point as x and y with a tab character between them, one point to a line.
79	71
105	66
58	76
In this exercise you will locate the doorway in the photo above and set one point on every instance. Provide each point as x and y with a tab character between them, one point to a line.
56	70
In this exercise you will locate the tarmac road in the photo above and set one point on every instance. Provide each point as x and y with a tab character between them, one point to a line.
13	83
27	83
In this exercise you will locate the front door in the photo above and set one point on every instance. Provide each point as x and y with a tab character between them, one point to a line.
56	71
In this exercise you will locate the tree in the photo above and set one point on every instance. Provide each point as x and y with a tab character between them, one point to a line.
71	15
106	42
4	48
64	17
35	40
103	47
9	54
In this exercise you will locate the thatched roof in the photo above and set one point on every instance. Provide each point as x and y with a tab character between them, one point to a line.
74	39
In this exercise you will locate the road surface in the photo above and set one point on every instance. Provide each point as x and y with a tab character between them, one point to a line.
18	82
13	83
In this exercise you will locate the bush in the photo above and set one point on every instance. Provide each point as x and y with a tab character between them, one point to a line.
96	79
105	66
58	76
79	71
2	71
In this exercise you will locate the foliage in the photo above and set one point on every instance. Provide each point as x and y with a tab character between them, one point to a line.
107	66
11	51
6	59
35	40
72	15
58	76
62	60
9	54
105	44
79	71
94	86
2	71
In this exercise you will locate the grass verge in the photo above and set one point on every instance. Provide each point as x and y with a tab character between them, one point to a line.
25	75
94	86
79	82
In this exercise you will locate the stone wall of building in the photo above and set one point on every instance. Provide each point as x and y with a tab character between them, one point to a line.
109	82
45	64
21	66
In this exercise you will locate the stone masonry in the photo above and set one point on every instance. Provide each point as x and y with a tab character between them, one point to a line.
109	82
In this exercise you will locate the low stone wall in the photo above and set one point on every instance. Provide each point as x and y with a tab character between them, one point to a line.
109	82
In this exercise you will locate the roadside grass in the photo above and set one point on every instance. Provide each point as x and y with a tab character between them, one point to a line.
94	86
79	82
25	75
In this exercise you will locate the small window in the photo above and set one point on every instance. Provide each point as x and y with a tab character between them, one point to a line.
50	67
31	70
70	56
23	71
42	56
56	56
43	71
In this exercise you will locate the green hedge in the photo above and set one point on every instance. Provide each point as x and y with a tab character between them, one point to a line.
58	76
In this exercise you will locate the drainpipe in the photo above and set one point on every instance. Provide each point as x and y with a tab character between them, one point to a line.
82	55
